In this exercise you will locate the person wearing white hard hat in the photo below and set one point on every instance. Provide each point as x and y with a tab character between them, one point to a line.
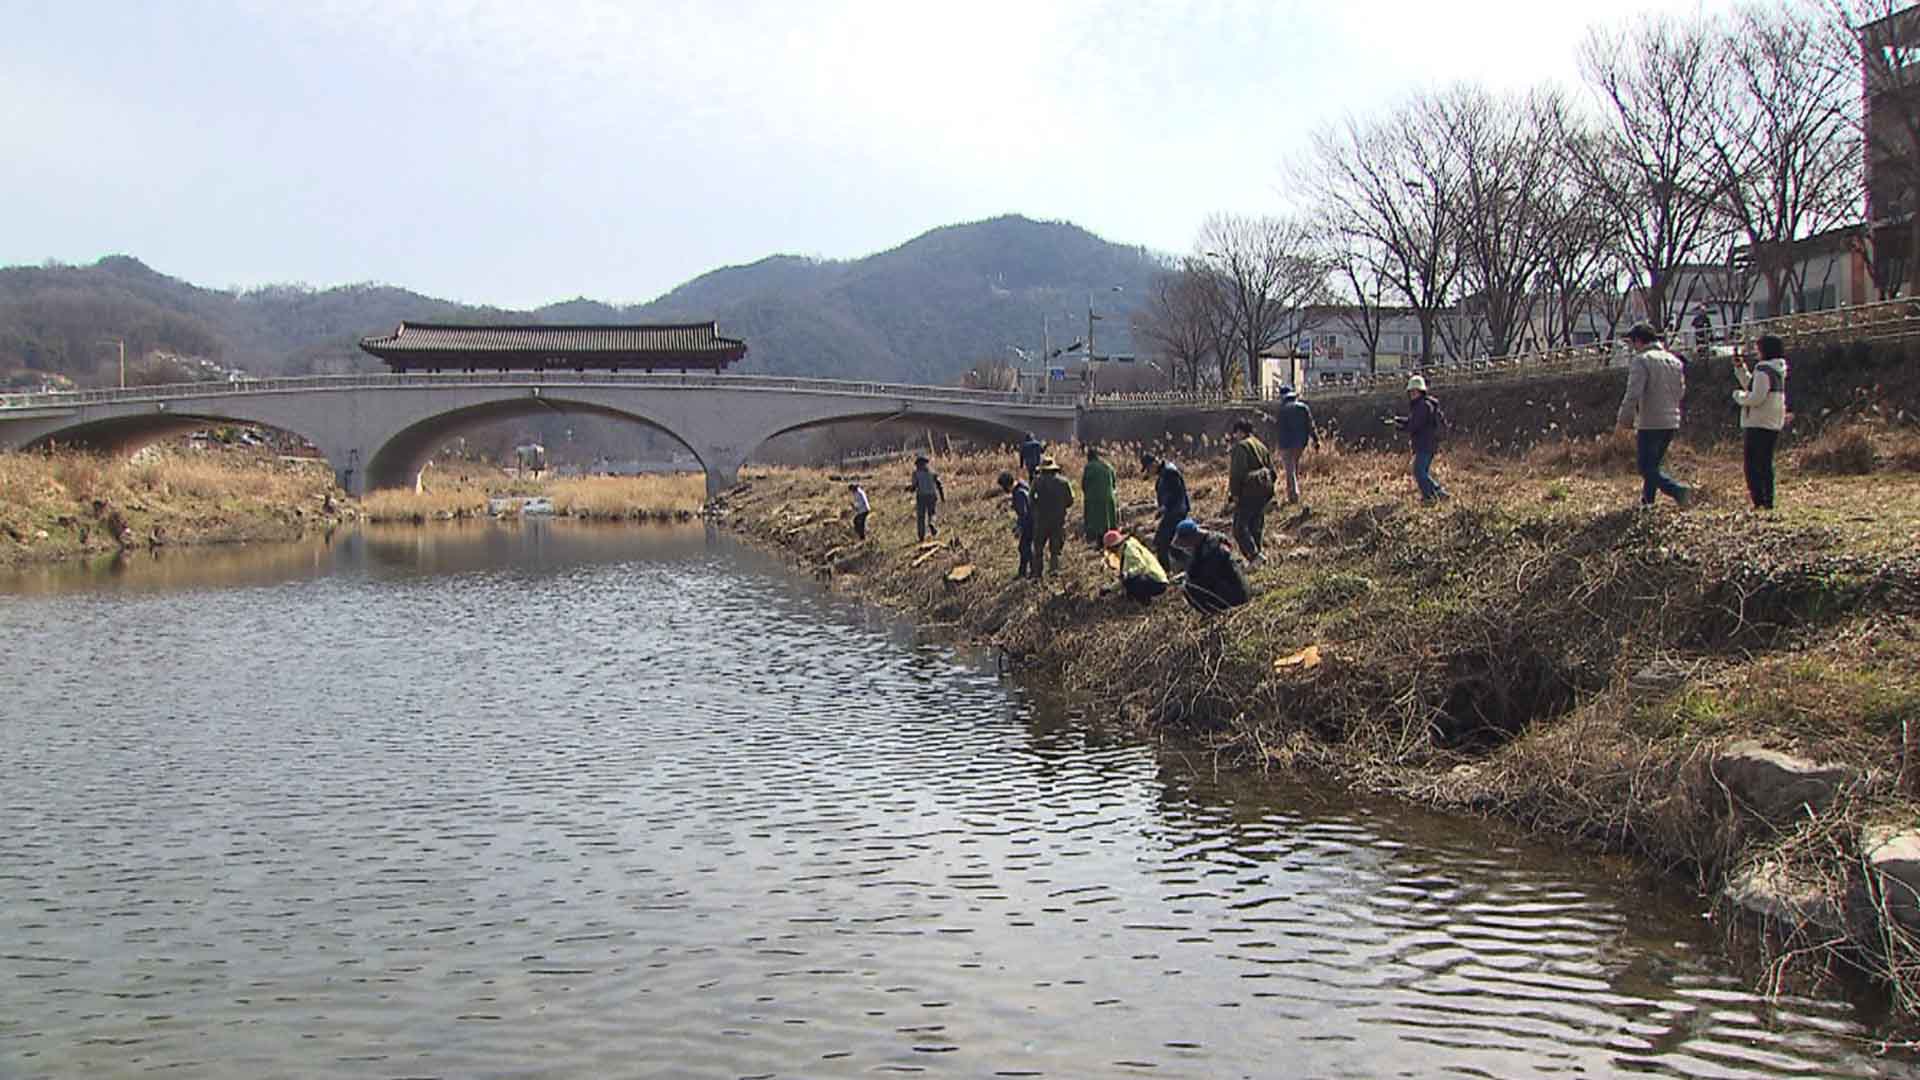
1422	423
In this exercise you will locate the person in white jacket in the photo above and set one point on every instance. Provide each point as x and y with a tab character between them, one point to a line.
1762	397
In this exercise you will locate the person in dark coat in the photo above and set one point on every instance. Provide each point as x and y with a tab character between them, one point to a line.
1031	452
1020	499
1170	496
1052	498
1422	423
1213	582
927	495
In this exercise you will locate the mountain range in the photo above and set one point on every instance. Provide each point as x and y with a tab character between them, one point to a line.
922	312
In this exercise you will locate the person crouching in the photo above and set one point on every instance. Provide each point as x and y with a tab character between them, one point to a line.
1141	576
1214	582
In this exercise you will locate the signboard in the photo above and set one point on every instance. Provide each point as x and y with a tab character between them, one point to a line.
1057	373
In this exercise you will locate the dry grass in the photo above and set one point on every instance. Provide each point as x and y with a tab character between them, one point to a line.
1536	647
66	504
462	491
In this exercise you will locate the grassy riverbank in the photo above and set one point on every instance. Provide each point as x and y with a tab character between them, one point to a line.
66	504
1536	648
450	492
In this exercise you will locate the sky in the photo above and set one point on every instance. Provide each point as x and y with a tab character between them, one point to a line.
519	153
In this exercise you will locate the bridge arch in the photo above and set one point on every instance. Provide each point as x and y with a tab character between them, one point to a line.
397	462
126	435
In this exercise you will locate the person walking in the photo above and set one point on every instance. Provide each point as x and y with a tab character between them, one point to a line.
1031	451
1656	386
1762	397
1249	488
1052	497
1295	421
928	493
1213	581
1100	497
861	508
1422	424
1170	496
1141	576
1020	500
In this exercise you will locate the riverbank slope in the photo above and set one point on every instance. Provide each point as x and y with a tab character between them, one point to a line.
67	504
1733	696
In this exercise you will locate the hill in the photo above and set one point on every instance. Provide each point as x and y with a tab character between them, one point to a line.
921	312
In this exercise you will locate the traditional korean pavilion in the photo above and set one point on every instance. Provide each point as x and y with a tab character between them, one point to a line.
449	347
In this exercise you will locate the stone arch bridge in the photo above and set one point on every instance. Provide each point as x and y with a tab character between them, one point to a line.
378	431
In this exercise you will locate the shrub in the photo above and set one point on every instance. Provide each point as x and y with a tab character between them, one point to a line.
1841	450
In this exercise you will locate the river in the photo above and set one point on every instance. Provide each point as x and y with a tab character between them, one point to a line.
563	801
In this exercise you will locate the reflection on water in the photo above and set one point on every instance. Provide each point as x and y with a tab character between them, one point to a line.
577	802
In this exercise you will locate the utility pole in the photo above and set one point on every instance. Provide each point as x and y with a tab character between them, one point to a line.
122	343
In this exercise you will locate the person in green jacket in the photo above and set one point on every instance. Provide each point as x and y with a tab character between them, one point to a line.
1052	497
1249	489
1100	492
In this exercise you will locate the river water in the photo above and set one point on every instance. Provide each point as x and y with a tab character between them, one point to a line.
572	802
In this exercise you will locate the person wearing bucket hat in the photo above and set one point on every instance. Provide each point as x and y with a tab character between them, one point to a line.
1141	576
1052	497
1213	580
1422	423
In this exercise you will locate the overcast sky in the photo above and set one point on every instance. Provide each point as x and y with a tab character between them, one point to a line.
523	152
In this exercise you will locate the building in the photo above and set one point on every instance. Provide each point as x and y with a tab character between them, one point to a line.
444	347
1890	98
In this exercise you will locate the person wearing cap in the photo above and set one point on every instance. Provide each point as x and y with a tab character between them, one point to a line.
1422	425
1099	495
1249	488
1020	500
1031	451
1170	496
928	493
1656	386
1052	497
861	507
1762	397
1213	581
1295	421
1141	576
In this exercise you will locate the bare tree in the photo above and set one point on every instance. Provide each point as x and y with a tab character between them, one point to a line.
1655	170
1358	290
1514	159
1786	144
1175	322
1268	274
1390	183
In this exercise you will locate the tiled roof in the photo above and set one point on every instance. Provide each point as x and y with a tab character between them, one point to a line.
673	339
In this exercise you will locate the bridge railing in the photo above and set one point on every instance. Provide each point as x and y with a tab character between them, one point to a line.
1883	321
242	387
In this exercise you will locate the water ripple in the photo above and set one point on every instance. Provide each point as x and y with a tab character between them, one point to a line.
577	803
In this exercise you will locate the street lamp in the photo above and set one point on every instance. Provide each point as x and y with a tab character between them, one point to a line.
121	342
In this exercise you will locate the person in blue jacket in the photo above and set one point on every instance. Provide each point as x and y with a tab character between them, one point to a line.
1422	423
1020	498
1170	496
1031	452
